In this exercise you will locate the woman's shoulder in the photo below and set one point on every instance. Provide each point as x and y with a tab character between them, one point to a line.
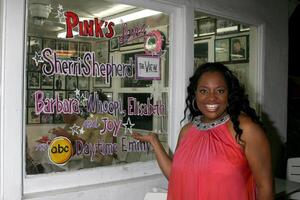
251	129
184	130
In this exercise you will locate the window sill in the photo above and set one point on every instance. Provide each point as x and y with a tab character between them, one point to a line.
88	177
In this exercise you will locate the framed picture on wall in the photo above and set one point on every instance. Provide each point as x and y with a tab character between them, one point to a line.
114	44
222	50
59	82
239	48
71	82
49	43
35	45
244	27
32	117
30	97
48	93
61	94
84	47
225	26
195	28
207	26
83	83
46	119
109	95
102	51
47	82
33	80
71	94
99	82
200	53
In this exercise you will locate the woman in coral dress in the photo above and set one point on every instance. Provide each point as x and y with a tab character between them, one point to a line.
222	153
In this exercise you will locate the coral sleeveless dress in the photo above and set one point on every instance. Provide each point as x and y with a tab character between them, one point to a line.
210	165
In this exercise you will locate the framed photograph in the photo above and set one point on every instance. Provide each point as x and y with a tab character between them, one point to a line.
71	94
46	119
30	97
114	44
73	49
109	95
62	45
32	117
147	67
49	43
83	83
102	51
200	53
58	118
222	50
225	26
239	48
35	45
33	80
61	94
244	27
48	93
195	28
207	26
59	82
99	82
47	82
71	82
84	47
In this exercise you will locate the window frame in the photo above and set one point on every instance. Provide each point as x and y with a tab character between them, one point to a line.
38	184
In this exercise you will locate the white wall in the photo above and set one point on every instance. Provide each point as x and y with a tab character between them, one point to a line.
271	18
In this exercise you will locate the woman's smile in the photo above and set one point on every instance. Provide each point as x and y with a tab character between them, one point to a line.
212	95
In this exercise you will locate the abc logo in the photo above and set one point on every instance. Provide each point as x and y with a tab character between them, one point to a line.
60	150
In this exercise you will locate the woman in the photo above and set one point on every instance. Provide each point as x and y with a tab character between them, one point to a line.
222	153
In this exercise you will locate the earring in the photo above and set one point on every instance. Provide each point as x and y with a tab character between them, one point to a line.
193	102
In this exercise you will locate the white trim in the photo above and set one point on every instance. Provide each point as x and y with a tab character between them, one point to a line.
261	49
2	39
78	178
12	99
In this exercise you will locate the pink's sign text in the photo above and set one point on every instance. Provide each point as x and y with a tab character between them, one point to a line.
88	28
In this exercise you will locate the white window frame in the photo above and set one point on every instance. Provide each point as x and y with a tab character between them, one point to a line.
14	183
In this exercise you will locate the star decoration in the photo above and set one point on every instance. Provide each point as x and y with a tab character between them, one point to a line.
74	129
37	59
60	13
81	131
77	92
49	7
60	7
130	126
84	100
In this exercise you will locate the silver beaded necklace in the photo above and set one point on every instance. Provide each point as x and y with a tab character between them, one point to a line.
208	125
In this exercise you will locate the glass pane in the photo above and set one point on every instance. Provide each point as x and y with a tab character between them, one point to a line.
91	80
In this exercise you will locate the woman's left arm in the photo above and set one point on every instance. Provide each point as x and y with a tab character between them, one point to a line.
257	151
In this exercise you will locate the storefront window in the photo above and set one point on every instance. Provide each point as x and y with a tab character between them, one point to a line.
94	74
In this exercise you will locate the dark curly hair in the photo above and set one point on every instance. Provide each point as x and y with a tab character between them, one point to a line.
237	99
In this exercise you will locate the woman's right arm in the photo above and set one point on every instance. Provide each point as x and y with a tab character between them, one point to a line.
162	157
